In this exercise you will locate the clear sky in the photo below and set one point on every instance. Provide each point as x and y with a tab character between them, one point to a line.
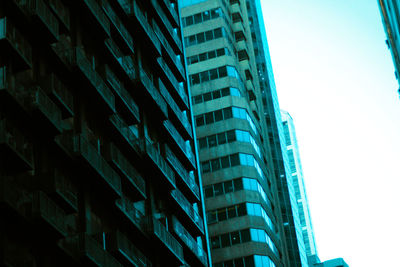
334	75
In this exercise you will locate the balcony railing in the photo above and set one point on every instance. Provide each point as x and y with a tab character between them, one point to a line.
39	9
132	9
99	15
14	197
159	230
119	26
59	92
62	12
181	116
83	245
172	12
17	143
153	92
182	144
128	170
125	62
160	162
190	241
129	210
38	100
130	137
17	42
44	208
186	176
179	87
78	145
125	97
122	246
188	208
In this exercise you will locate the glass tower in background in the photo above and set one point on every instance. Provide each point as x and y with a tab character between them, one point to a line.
298	184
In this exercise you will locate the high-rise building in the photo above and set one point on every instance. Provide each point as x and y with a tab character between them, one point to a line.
299	185
98	162
228	95
294	245
391	19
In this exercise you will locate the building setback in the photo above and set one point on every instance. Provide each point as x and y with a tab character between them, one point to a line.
98	162
239	180
299	186
391	19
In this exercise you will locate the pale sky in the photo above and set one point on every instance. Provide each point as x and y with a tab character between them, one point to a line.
334	75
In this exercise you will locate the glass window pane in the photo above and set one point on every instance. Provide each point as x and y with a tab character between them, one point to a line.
189	20
222	71
236	112
209	35
213	74
200	38
204	76
208	191
238	184
203	143
205	167
218	33
203	56
197	18
215	165
216	94
211	217
215	242
209	117
241	209
207	97
198	99
218	115
221	214
225	162
234	159
225	92
221	136
239	262
211	54
231	136
195	78
227	113
199	120
220	52
231	212
206	15
249	261
245	235
212	140
225	240
214	13
228	187
228	263
218	189
235	238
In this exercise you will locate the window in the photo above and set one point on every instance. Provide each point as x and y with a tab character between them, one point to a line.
208	191
228	187
215	242
218	189
209	118
234	159
209	35
197	18
235	238
225	240
207	97
221	136
225	162
215	165
221	215
205	167
218	115
199	120
212	140
213	74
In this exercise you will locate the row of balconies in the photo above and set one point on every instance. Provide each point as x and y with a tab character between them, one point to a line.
127	134
184	146
189	241
187	207
178	86
12	39
99	16
61	11
78	146
181	116
42	13
172	12
130	213
187	177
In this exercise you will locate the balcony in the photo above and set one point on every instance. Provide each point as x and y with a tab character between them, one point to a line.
172	12
42	106
187	177
153	93
125	251
190	242
42	14
132	9
181	116
166	174
172	57
122	31
12	96
78	146
187	207
57	185
129	107
17	150
129	212
59	93
44	209
173	34
184	146
61	11
125	168
99	16
129	137
12	41
126	63
13	198
178	86
157	229
85	247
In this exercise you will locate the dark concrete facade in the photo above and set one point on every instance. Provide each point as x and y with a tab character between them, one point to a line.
98	162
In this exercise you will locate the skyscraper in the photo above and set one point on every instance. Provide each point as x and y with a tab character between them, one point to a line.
98	162
299	185
391	19
229	80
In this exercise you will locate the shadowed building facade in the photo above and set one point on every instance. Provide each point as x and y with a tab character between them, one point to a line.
230	105
391	19
98	162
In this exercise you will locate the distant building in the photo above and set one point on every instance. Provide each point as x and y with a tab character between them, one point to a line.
391	19
299	185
